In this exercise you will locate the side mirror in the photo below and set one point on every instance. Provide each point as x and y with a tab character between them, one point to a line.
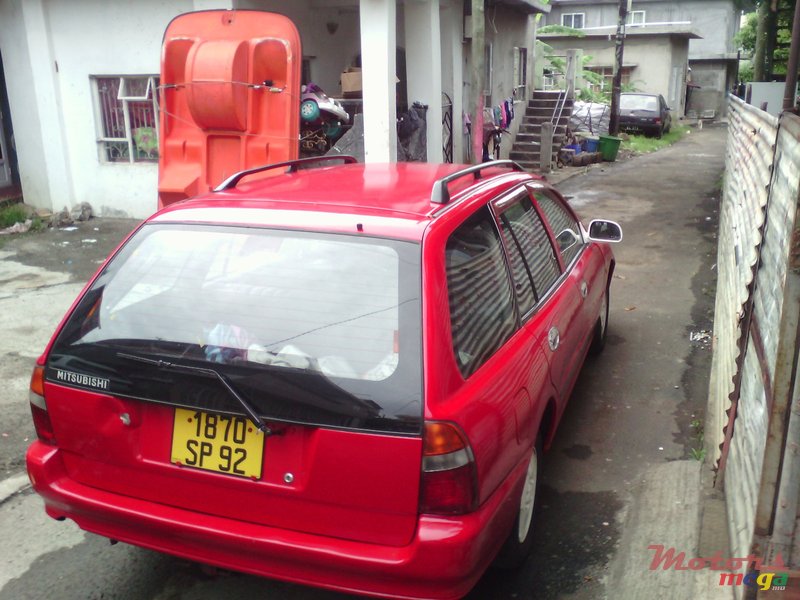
605	231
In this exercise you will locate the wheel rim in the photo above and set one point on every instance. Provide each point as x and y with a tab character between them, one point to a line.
309	110
604	315
528	498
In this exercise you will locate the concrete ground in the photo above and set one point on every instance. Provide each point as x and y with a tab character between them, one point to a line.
622	474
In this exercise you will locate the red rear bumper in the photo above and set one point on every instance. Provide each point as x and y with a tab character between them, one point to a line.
445	559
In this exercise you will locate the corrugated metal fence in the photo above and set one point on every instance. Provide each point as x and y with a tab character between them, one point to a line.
754	367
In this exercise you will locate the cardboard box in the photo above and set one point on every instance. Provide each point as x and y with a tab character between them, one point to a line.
351	82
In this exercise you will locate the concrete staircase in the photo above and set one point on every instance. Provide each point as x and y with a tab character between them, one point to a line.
527	143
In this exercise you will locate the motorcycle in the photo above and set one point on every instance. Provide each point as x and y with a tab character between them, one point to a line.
322	120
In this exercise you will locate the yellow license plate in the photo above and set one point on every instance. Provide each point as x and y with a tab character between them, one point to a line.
221	443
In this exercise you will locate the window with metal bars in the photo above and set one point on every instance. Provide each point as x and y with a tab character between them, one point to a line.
126	114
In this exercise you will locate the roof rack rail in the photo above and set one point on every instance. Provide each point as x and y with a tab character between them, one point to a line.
293	165
441	195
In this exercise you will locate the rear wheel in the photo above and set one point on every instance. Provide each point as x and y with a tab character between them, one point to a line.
518	544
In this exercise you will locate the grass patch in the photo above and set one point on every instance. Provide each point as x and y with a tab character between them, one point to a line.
698	452
641	144
10	215
17	213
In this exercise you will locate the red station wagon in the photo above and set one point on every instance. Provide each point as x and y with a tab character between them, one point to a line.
341	376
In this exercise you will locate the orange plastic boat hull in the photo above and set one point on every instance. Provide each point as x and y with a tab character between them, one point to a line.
229	98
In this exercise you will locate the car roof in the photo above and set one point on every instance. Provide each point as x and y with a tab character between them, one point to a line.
394	199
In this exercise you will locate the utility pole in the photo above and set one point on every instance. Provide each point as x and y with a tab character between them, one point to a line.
478	56
613	125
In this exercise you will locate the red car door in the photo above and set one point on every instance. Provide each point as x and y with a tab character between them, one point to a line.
569	331
548	300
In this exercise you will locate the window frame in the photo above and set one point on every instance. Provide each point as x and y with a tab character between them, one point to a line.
124	100
520	71
533	189
499	207
631	21
572	19
468	369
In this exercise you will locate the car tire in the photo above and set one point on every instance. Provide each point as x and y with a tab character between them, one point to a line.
518	544
309	111
601	327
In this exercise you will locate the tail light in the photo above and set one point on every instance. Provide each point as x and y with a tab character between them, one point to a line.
41	420
449	482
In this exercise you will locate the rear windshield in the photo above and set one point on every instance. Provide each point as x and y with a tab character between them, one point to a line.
312	328
634	102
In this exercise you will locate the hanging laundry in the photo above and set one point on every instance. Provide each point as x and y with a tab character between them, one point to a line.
498	116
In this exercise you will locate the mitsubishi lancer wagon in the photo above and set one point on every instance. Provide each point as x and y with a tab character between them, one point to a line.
340	375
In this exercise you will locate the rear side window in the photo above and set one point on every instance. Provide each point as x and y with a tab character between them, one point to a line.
566	229
309	327
482	314
533	260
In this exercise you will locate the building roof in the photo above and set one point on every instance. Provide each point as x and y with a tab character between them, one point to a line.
681	29
527	6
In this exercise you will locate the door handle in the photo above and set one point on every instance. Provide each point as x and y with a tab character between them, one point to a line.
584	290
553	338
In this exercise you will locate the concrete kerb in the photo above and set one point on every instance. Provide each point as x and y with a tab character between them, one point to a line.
13	485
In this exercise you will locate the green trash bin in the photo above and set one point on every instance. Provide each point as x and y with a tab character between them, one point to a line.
609	146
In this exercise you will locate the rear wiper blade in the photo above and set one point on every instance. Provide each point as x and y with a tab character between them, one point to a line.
164	364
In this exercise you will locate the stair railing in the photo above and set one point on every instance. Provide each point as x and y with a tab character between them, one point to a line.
547	146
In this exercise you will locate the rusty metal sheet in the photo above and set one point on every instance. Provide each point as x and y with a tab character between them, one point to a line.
758	311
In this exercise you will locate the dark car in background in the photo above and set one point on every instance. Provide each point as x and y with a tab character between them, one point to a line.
646	113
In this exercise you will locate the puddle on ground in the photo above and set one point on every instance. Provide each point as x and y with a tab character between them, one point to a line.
576	534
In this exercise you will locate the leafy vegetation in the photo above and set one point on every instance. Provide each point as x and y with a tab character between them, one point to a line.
557	64
604	96
641	144
16	213
11	215
699	451
765	38
561	30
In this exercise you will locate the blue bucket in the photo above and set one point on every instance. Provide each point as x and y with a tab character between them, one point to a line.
592	144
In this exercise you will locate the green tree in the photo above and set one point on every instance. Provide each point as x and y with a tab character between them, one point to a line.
766	37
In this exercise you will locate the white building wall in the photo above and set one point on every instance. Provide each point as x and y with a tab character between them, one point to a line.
330	53
52	48
31	80
506	30
135	49
55	128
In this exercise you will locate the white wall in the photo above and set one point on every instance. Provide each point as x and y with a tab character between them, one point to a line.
115	39
57	131
28	137
48	67
653	57
331	52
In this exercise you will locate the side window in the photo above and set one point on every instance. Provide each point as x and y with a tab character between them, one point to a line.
481	306
566	229
533	261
